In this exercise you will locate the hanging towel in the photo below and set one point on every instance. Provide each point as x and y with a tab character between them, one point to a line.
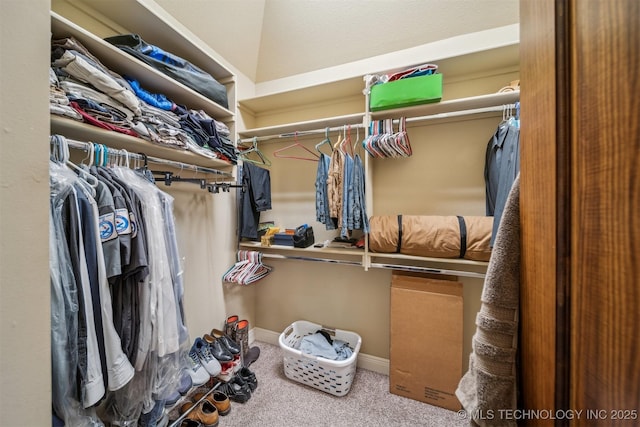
489	386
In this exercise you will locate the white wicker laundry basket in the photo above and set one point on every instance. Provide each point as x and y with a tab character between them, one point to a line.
331	376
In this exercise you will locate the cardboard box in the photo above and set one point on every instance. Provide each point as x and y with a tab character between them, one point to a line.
426	338
406	92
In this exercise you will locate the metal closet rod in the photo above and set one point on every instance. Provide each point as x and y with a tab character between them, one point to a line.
418	269
495	108
85	146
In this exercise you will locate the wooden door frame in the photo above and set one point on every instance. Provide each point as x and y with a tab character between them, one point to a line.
545	204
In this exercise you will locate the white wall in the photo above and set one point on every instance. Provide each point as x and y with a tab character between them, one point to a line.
25	360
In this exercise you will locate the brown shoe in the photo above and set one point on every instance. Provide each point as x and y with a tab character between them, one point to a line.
205	413
218	399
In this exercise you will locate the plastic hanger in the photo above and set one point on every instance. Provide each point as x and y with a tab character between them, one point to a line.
345	146
254	149
507	115
101	154
369	142
248	269
385	142
357	143
402	138
314	156
378	134
514	115
88	181
336	146
326	140
394	146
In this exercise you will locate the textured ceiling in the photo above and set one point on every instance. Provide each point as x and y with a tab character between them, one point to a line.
271	39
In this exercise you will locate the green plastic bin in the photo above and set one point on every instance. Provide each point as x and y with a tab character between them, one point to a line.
406	92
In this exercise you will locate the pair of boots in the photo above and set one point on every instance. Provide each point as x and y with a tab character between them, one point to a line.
238	330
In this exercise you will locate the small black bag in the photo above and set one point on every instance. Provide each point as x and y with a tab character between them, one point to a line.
303	237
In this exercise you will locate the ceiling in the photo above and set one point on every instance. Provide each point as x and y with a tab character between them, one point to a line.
271	39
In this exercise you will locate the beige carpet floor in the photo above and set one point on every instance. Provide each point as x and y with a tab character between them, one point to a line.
281	402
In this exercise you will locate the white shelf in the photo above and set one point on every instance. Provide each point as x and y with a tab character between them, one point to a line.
125	64
358	257
310	251
289	129
326	92
147	19
402	257
440	109
88	133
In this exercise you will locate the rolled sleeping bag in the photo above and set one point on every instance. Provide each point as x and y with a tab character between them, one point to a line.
466	237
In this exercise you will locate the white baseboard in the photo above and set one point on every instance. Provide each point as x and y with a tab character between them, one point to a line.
365	361
266	335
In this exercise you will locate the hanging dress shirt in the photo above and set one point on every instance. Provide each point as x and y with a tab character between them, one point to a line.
502	164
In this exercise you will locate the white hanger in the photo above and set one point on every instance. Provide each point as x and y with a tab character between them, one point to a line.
88	181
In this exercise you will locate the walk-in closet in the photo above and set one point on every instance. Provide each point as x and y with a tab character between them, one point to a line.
283	212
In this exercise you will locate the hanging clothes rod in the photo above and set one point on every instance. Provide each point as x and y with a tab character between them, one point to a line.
469	112
85	146
304	258
428	270
214	187
381	265
301	133
496	108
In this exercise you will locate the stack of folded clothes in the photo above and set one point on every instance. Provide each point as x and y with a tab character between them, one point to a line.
83	89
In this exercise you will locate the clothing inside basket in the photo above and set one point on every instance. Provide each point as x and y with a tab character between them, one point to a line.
320	344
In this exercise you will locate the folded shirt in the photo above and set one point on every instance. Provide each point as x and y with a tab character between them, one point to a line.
75	65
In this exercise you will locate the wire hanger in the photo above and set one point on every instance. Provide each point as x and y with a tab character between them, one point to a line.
254	149
314	157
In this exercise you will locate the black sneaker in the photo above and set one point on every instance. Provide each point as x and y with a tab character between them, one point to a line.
249	378
237	390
